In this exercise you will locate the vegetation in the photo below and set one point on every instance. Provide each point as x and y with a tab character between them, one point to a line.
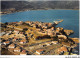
13	6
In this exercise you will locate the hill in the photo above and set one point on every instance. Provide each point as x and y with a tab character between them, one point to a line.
35	5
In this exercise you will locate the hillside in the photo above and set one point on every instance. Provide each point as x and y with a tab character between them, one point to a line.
35	5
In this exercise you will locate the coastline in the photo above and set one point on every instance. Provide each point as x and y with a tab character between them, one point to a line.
68	45
37	10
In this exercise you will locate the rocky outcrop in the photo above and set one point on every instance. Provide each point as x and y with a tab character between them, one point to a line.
68	32
76	40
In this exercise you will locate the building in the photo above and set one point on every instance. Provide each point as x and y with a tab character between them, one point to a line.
59	50
56	22
48	43
54	42
23	52
2	33
21	32
62	49
1	12
52	28
49	24
29	22
17	49
16	31
6	42
57	31
12	9
10	31
22	41
44	27
20	22
40	51
34	25
7	33
11	46
15	39
62	37
49	32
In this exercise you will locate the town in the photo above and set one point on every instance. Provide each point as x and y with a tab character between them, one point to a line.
37	38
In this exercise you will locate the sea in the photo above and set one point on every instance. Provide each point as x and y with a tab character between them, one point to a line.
70	17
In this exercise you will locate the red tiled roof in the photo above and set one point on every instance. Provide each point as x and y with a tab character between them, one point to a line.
7	42
23	53
17	48
15	38
64	48
40	50
23	50
11	45
23	41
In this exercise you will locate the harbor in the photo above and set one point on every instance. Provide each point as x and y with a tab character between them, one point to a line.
37	38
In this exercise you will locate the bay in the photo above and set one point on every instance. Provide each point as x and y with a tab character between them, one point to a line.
70	17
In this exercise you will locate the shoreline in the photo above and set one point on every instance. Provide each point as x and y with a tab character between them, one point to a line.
37	10
68	45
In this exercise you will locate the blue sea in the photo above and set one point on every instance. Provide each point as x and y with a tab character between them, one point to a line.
70	17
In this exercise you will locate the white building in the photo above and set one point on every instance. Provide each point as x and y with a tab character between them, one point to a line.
7	42
17	49
11	46
40	51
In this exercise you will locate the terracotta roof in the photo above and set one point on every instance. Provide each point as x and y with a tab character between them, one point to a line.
23	50
52	28
64	48
49	23
44	29
11	45
21	32
62	36
57	30
40	50
54	41
23	53
23	41
59	50
17	48
48	42
7	42
16	30
15	38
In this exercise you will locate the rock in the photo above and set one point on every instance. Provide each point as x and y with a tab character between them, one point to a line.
66	53
61	50
73	54
66	44
68	32
74	45
62	37
76	40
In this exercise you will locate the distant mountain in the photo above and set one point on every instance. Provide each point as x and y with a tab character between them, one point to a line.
56	4
33	5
